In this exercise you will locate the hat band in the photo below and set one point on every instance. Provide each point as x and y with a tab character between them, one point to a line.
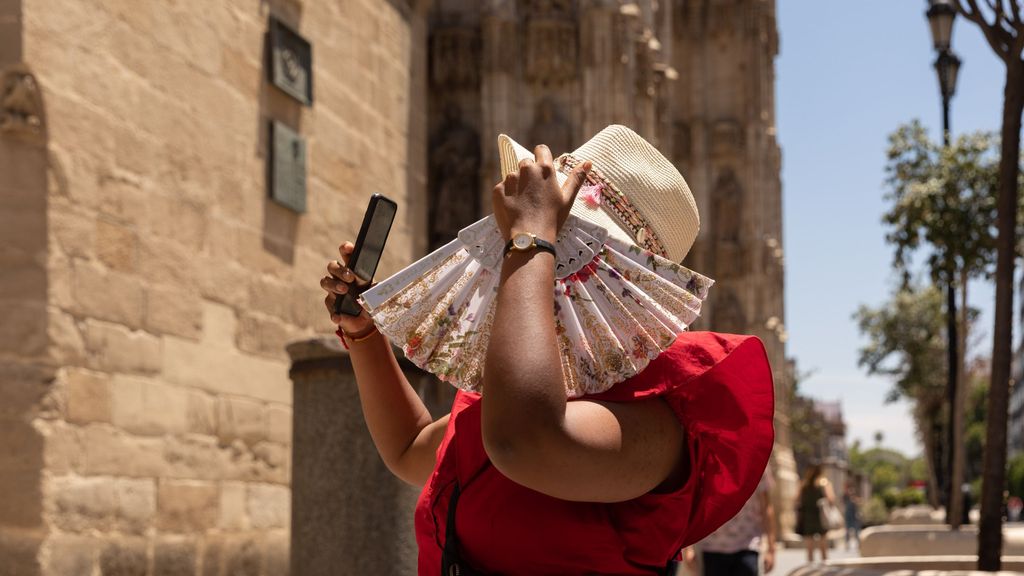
619	207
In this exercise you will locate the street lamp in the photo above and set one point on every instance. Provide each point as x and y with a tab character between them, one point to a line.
941	14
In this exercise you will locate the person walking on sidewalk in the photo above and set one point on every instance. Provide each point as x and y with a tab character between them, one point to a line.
814	488
734	549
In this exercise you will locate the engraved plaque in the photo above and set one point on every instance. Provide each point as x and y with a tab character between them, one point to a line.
291	62
287	158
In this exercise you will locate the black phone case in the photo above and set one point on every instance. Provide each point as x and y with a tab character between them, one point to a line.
347	304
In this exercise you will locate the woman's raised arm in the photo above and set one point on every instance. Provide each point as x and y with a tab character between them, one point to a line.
405	434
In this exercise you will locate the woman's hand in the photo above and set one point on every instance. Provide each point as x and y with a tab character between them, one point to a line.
531	201
337	283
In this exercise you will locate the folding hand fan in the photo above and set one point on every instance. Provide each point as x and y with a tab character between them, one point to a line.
617	306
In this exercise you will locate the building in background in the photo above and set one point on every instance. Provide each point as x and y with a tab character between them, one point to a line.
151	283
696	79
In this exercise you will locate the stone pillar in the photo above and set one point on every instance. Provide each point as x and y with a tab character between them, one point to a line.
350	515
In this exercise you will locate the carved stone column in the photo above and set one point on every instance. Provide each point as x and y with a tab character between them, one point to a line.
499	87
350	515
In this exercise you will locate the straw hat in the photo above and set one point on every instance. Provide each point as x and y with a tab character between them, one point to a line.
643	198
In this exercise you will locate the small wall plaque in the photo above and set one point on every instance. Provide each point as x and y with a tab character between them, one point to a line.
291	62
287	173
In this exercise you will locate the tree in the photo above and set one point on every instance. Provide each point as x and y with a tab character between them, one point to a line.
1003	26
943	197
906	342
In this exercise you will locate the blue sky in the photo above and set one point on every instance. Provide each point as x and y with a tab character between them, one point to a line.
847	74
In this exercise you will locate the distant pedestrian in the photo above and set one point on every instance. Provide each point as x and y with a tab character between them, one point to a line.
851	513
734	549
810	524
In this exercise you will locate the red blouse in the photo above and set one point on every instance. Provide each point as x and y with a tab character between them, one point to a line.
720	388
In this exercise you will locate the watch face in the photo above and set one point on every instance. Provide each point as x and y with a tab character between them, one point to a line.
522	241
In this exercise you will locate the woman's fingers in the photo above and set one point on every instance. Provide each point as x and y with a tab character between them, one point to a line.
339	271
544	159
575	181
345	250
333	285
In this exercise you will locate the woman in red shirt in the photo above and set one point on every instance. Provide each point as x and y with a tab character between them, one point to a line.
611	483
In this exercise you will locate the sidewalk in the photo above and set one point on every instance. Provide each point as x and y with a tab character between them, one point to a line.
787	560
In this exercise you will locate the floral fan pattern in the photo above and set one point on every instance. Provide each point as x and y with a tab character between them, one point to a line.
617	306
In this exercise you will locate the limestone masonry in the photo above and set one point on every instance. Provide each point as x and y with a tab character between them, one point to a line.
149	285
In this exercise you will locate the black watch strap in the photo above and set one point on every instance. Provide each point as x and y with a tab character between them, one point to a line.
538	244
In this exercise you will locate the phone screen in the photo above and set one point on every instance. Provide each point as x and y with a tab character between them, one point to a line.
368	250
373	244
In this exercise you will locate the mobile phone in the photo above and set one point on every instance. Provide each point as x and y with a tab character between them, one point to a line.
369	248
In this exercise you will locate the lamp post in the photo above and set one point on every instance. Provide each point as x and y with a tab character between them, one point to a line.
941	14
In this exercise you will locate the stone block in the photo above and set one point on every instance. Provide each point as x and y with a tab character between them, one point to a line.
273	462
202	413
221	371
109	451
184	506
124	557
271	297
240	419
197	457
67	344
63	451
88	396
117	246
174	556
115	348
148	407
269	506
170	261
218	281
233	506
81	504
276	559
25	281
136	504
264	335
279	424
107	295
185	222
173	310
69	555
241	556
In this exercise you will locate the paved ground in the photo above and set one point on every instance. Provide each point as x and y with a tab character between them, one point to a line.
787	560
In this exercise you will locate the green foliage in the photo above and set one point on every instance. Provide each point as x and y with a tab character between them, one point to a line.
1015	476
874	512
809	431
907	341
901	498
888	471
944	198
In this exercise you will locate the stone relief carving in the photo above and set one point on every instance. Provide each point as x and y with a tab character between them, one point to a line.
550	43
728	315
21	103
550	127
454	177
726	137
455	58
726	222
682	140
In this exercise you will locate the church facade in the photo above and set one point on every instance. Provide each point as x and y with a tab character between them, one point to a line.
695	78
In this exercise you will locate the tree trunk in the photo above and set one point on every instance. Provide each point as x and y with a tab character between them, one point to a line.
990	536
956	509
952	488
927	423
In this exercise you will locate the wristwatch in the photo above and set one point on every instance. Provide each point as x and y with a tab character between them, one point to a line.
524	242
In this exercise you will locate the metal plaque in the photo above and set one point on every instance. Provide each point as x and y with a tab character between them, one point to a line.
291	62
287	178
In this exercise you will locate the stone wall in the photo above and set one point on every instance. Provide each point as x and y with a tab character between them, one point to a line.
150	286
